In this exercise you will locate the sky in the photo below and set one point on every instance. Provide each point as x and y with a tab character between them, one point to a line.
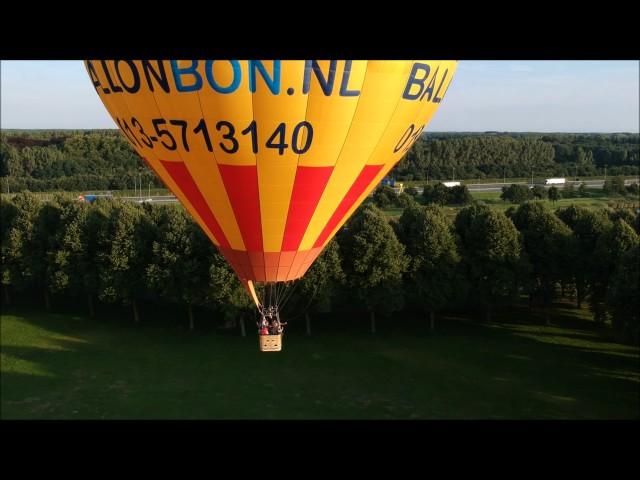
516	96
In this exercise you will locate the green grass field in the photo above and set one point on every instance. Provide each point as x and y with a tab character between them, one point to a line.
60	366
596	199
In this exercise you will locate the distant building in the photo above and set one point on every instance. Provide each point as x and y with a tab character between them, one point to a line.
388	181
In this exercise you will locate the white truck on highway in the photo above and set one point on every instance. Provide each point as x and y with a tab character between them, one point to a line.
451	184
555	181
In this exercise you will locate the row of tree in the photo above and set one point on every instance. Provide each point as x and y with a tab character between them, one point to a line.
495	155
439	194
443	195
518	193
70	161
115	251
102	159
481	261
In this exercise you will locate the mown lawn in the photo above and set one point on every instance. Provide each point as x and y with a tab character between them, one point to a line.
57	366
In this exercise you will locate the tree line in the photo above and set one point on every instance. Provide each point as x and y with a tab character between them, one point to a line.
385	196
498	155
70	161
481	261
615	187
103	160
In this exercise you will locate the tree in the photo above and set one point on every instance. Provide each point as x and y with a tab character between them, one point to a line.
411	191
93	259
516	193
582	190
227	293
384	196
178	269
64	160
489	245
8	213
460	195
614	186
623	295
46	244
72	262
477	155
373	262
196	268
405	201
554	194
438	194
547	243
21	269
625	214
430	279
126	243
611	247
567	192
539	192
319	286
587	226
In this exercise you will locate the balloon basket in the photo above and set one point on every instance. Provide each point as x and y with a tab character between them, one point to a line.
270	343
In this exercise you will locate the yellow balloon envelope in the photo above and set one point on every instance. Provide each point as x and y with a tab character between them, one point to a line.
271	157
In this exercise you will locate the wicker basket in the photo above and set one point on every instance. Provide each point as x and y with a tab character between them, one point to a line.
270	343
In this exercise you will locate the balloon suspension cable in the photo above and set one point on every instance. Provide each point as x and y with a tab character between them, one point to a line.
268	296
306	308
288	294
273	296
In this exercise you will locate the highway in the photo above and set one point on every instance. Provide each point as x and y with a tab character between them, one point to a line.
473	187
151	199
496	187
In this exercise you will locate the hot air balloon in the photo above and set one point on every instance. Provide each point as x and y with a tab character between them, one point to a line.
271	157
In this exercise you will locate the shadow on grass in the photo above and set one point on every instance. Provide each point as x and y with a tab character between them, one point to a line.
71	367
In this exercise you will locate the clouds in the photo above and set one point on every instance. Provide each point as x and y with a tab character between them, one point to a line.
484	95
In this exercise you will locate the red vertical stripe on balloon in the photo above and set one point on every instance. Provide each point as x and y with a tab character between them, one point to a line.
365	177
180	174
241	183
307	190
